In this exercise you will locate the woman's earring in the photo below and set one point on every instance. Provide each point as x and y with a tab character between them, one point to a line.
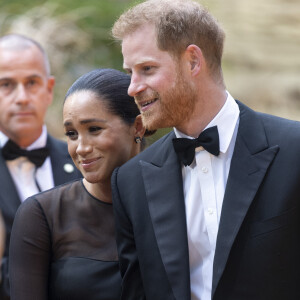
137	139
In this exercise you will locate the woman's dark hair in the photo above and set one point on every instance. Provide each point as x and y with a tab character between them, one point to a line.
111	86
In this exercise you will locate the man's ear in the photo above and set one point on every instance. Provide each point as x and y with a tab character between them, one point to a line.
139	127
50	87
195	58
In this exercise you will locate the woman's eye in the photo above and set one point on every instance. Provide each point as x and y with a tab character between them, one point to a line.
95	129
71	134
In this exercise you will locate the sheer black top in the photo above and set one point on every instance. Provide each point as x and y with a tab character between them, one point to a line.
63	247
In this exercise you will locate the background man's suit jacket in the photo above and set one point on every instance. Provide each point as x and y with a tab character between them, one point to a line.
258	244
10	201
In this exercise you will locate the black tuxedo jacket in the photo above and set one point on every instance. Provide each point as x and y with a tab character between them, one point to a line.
10	201
258	244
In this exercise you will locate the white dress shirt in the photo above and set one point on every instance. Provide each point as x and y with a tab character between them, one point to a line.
23	171
204	183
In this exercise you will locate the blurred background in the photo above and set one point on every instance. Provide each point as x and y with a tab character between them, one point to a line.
261	57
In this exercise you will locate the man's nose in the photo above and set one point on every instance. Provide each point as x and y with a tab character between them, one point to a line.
22	94
136	86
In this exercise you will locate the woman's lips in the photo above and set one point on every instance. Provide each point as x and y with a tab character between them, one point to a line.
88	163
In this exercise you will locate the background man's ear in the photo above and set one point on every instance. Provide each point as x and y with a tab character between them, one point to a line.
50	86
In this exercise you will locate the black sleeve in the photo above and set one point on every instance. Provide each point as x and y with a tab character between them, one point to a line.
29	255
4	285
132	286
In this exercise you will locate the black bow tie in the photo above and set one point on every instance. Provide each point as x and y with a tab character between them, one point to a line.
208	139
12	151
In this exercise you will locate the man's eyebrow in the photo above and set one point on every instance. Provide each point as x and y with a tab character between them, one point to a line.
145	60
27	77
33	76
6	79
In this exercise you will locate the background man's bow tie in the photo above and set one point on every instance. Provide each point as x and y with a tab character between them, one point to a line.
185	148
12	151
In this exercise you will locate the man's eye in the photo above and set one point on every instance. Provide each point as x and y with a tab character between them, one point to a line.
147	68
128	72
31	82
7	85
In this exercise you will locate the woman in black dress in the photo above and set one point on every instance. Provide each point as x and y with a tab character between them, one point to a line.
62	243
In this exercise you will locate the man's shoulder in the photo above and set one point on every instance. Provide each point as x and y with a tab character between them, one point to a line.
56	145
62	164
245	108
54	140
259	129
269	120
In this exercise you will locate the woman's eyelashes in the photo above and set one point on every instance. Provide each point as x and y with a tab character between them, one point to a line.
95	129
73	134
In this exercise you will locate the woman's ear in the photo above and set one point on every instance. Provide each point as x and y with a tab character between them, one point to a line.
139	127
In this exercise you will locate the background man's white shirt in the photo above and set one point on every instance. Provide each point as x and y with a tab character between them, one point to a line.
23	171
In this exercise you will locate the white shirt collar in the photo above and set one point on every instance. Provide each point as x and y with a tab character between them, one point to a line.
39	143
225	120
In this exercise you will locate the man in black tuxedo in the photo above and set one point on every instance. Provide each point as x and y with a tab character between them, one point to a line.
215	217
30	159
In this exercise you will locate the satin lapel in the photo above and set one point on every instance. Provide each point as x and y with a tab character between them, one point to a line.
251	159
163	185
10	200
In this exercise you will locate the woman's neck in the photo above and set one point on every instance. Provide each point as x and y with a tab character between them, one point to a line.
101	191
